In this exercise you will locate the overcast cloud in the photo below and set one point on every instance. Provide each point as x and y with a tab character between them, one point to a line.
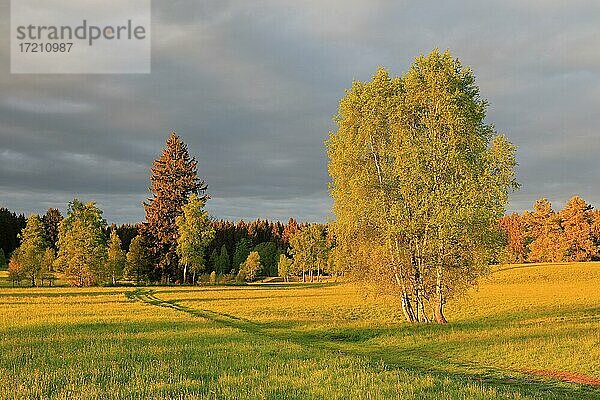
252	86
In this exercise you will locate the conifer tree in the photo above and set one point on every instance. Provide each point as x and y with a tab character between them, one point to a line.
242	250
516	236
577	223
173	179
223	266
3	262
545	228
52	220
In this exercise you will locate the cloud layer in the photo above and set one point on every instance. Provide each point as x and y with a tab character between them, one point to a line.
252	87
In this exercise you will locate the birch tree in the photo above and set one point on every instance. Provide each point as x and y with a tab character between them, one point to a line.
194	234
419	181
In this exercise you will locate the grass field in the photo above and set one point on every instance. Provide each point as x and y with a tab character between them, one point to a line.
528	332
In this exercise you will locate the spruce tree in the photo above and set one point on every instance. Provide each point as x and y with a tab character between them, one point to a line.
3	263
52	220
173	179
223	266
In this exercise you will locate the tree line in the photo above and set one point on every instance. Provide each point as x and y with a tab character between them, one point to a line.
545	235
177	243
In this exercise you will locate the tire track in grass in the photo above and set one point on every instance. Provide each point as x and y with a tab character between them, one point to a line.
493	376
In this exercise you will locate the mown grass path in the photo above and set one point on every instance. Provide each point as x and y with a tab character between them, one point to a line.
351	344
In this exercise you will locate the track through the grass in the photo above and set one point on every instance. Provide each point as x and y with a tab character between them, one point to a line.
493	376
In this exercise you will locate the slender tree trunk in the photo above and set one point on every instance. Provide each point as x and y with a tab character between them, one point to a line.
407	309
439	305
184	274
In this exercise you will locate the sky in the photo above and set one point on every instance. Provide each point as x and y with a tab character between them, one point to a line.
252	87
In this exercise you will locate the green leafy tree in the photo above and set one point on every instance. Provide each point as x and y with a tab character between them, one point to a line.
116	259
222	265
194	235
82	245
310	250
137	264
242	250
32	248
173	179
251	267
269	256
284	267
47	272
419	182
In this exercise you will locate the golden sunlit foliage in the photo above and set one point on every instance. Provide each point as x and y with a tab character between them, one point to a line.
543	235
419	181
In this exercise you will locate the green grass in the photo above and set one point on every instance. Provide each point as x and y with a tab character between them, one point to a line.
297	341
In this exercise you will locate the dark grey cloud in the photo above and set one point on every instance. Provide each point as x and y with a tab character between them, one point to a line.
252	87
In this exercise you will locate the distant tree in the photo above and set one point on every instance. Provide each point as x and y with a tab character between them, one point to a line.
222	264
242	250
596	231
138	264
126	233
516	238
16	269
545	228
269	256
251	267
173	179
577	223
213	260
213	278
47	271
194	235
82	249
289	231
310	250
32	248
116	259
3	262
11	226
419	182
52	220
284	267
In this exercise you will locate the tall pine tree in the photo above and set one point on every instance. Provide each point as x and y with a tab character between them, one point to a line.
173	179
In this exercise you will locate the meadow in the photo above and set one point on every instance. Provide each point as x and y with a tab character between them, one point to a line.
527	332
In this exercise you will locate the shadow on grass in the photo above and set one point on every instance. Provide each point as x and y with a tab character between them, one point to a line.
421	359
